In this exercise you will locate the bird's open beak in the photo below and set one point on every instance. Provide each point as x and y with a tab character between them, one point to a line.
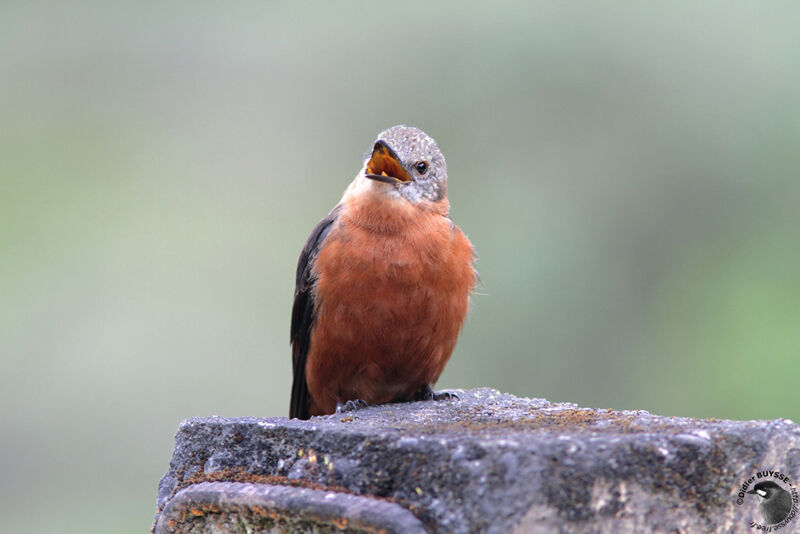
385	166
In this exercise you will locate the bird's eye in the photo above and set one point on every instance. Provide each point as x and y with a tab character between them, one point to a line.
421	167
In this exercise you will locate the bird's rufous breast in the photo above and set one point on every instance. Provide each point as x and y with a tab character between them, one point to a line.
392	290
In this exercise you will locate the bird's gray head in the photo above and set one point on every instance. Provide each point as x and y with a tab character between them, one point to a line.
408	160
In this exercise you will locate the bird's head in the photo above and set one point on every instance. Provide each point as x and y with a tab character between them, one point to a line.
766	490
405	161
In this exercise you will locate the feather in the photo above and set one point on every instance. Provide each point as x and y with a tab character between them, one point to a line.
304	313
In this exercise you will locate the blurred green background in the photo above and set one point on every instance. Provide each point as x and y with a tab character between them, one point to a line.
627	172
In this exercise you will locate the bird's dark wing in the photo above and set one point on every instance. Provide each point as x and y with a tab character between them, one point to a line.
303	314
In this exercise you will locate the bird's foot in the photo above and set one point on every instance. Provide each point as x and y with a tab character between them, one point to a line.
443	396
351	405
427	393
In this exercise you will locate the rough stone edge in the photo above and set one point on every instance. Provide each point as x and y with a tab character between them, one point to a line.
287	502
679	428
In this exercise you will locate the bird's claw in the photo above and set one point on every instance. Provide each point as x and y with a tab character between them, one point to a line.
443	396
427	393
351	406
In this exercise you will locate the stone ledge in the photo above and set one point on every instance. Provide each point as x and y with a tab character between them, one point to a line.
487	462
229	506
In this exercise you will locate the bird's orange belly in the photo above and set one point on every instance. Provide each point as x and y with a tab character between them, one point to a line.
389	312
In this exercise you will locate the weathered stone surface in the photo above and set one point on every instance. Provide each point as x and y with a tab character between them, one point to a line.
248	507
487	462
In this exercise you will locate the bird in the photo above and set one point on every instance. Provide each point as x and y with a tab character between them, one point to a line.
383	284
776	502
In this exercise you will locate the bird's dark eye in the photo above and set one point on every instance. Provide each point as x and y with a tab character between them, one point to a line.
422	167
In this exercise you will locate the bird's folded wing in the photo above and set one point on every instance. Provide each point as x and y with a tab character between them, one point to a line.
303	314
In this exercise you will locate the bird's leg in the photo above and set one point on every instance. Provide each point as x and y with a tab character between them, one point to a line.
427	393
351	405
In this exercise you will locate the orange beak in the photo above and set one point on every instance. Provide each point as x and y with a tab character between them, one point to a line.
385	166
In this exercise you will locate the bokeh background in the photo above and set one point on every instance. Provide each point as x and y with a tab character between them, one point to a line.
628	173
